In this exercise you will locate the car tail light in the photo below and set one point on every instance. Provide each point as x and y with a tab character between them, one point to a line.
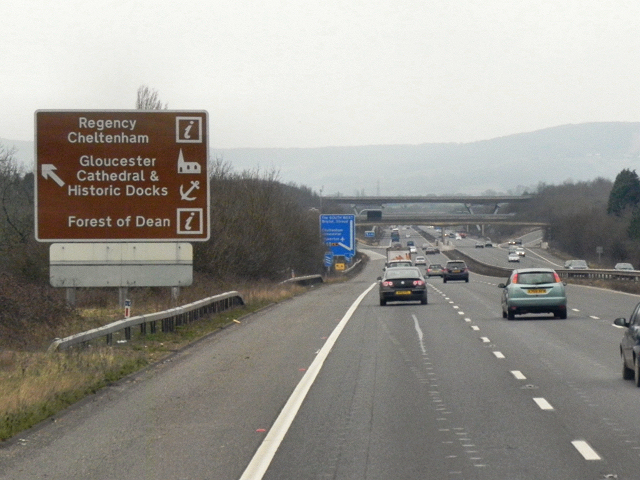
515	278
417	283
387	284
556	277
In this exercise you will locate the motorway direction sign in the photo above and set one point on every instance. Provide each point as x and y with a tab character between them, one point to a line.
121	175
339	234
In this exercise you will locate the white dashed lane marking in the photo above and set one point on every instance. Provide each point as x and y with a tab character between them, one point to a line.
581	446
542	403
585	450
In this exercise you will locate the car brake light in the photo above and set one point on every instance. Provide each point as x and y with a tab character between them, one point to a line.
418	282
515	278
556	277
387	284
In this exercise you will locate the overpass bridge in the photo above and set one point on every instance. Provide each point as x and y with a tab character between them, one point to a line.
444	220
369	210
399	199
360	204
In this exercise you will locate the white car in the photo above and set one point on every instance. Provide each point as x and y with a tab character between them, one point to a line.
576	265
520	251
420	260
514	257
623	266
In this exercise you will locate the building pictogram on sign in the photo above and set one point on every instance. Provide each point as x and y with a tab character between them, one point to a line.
188	167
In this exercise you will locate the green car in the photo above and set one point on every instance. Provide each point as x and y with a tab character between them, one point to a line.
534	290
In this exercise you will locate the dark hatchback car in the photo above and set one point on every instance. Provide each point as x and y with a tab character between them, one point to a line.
455	270
402	284
630	345
435	270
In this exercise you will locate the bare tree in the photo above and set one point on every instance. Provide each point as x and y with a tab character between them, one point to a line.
15	201
149	99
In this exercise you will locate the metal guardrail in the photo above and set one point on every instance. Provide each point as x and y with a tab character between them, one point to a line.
313	279
602	274
477	266
496	271
353	267
306	280
169	320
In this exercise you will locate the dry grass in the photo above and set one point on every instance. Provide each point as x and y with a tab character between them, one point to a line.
35	385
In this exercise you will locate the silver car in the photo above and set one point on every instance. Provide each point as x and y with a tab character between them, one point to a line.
513	257
533	290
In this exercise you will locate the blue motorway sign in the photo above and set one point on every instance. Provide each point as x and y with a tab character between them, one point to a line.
339	234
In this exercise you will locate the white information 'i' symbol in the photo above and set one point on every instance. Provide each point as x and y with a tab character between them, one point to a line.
187	223
187	130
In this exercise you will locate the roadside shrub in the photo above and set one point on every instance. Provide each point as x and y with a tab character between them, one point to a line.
30	314
260	228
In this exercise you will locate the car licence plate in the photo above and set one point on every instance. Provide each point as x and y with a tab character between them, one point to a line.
403	292
537	291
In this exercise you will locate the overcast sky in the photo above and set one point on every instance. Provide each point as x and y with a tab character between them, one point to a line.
297	73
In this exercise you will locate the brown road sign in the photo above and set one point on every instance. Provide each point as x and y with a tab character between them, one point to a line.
121	175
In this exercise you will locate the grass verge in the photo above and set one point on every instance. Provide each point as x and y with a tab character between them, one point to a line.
35	385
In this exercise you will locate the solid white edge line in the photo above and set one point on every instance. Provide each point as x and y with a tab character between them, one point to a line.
264	455
585	450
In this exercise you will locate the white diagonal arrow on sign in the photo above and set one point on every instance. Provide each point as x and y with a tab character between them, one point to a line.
350	246
48	171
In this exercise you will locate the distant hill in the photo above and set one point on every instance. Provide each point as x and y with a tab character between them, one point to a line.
503	165
507	164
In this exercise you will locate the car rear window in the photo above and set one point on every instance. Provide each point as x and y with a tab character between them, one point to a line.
577	264
456	265
402	273
536	278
